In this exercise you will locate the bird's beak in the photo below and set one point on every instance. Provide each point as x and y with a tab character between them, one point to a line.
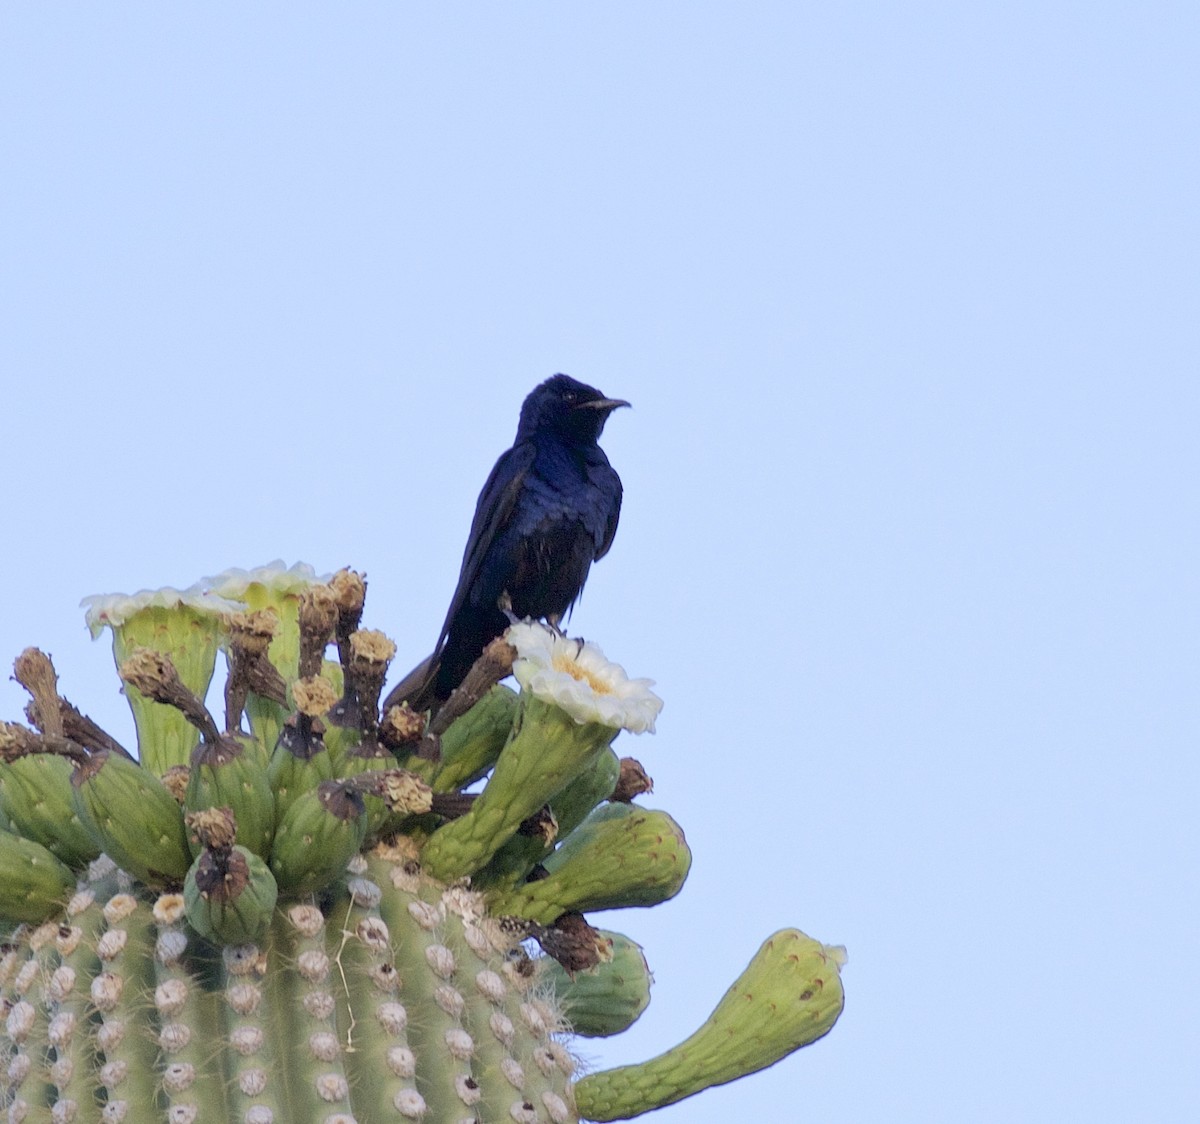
605	404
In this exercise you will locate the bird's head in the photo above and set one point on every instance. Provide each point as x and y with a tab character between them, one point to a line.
567	407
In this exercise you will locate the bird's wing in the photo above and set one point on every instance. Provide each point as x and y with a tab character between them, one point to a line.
610	483
492	512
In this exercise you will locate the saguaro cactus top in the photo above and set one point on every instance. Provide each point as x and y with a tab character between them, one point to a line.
307	912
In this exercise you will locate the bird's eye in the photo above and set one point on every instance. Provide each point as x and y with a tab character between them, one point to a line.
569	397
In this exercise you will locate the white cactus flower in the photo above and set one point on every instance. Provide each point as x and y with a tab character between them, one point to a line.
112	610
276	576
576	676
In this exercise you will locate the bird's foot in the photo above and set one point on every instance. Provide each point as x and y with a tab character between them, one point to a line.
504	604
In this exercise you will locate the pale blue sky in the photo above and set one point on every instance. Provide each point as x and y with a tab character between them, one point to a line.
905	299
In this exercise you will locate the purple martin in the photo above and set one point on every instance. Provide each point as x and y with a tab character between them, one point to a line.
549	510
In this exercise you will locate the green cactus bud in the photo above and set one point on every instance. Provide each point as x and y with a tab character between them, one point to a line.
229	895
183	625
318	697
369	757
546	751
227	774
37	799
33	883
299	762
133	818
789	996
608	998
473	742
320	832
621	855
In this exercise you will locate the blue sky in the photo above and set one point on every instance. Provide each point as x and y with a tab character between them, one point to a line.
905	300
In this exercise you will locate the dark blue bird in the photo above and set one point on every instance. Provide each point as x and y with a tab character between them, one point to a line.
547	512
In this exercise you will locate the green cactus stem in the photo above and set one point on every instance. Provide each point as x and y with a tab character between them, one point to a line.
513	862
546	751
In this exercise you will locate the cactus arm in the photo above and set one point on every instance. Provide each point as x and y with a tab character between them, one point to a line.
789	996
621	855
546	751
410	998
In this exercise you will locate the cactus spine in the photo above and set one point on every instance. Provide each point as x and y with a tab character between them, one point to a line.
315	922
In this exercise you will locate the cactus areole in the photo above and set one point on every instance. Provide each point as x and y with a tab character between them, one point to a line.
312	912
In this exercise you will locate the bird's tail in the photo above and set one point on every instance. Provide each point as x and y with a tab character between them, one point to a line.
417	688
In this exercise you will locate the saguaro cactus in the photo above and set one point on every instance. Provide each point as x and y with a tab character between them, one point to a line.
302	914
